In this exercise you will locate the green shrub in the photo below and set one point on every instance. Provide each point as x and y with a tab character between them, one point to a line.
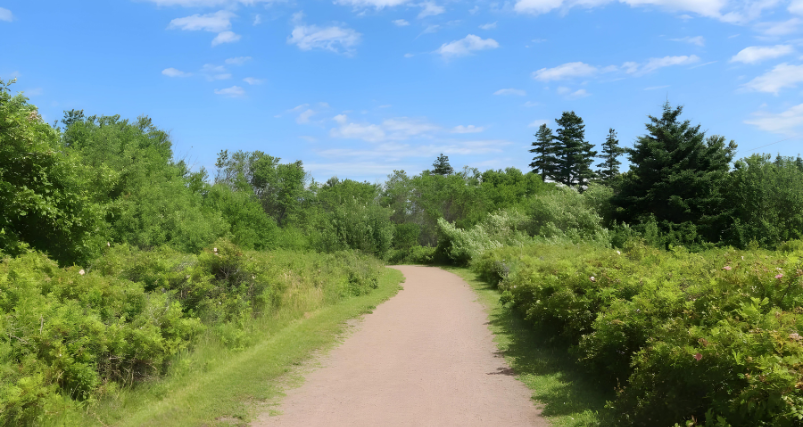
706	336
73	334
414	255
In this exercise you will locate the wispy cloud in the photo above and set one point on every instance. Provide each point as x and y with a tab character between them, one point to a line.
654	64
699	40
789	122
240	60
377	4
780	77
212	22
215	72
489	26
334	38
756	54
253	81
233	92
401	23
172	72
6	15
430	9
225	37
779	28
510	91
565	71
467	129
466	46
395	129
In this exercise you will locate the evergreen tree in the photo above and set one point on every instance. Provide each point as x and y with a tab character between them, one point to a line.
544	163
799	163
677	176
574	153
609	168
442	166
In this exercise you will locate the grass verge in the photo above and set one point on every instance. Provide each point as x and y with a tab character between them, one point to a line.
213	385
568	397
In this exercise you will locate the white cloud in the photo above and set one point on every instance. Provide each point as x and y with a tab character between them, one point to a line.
657	63
408	55
6	15
580	93
724	10
240	60
467	129
225	37
215	72
782	76
378	4
756	54
305	116
253	81
699	40
780	28
489	26
796	7
257	19
786	123
335	39
430	9
565	71
396	129
466	45
234	91
401	23
212	22
368	132
529	104
172	72
517	92
538	123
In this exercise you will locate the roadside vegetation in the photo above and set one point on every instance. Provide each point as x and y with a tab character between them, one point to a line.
126	277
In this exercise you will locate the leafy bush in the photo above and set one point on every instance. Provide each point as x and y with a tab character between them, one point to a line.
461	246
712	336
74	334
414	255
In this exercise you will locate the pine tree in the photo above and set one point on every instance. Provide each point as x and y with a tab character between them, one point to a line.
442	166
676	176
574	153
544	163
609	168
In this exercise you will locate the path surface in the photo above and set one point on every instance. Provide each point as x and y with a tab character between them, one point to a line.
423	358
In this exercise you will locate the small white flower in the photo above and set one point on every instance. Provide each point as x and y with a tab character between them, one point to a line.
108	244
82	272
618	253
215	249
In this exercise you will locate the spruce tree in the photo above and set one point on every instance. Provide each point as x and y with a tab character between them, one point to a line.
609	168
676	176
442	166
574	154
544	163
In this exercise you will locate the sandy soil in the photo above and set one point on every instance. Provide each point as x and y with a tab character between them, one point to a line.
423	358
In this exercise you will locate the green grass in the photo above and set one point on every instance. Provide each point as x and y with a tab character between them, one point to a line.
567	395
214	385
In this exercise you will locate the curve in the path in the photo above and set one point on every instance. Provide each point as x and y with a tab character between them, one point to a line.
423	358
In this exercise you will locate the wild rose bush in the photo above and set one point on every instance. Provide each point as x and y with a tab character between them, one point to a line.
72	334
711	337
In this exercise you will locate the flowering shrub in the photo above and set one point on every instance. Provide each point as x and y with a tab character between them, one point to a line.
71	334
711	336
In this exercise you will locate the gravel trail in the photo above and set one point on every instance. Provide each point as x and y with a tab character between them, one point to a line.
423	358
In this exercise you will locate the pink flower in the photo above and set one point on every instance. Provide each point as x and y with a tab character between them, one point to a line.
727	268
779	276
698	356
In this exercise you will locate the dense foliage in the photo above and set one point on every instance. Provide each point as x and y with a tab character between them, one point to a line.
711	336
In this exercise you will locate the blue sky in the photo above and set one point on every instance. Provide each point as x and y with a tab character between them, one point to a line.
358	88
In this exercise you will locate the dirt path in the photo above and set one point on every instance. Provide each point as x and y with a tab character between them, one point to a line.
423	358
